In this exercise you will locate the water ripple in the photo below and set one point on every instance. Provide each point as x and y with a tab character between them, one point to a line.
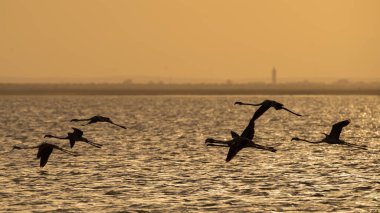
160	163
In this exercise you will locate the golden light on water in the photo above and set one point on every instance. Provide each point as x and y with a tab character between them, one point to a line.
161	163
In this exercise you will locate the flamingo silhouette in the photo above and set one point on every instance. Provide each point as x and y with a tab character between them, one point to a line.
333	137
77	135
97	118
238	142
264	106
44	151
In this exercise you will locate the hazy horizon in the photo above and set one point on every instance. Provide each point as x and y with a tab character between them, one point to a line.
164	79
188	41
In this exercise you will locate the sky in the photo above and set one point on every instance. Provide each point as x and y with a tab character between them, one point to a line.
66	41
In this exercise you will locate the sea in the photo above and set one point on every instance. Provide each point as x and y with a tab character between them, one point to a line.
160	163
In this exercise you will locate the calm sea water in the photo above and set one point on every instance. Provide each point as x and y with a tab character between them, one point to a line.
160	163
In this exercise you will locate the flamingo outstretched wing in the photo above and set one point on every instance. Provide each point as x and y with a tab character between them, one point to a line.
77	132
337	128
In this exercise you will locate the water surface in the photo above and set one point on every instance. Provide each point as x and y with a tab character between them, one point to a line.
160	163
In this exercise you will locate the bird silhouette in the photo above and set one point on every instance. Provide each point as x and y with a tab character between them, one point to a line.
44	151
77	135
264	106
239	142
333	137
97	118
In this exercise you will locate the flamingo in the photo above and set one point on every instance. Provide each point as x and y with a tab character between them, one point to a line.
333	137
239	142
77	135
264	106
44	151
97	118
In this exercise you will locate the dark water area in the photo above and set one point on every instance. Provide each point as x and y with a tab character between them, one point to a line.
161	164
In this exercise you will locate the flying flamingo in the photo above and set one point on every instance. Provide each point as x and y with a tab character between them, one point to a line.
333	137
77	135
97	118
237	142
264	106
44	151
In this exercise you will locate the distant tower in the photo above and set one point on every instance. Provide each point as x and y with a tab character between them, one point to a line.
274	75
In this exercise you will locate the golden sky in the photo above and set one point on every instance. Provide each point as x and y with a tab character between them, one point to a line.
188	40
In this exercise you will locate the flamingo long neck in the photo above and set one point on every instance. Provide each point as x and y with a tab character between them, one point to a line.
214	142
58	137
25	147
251	104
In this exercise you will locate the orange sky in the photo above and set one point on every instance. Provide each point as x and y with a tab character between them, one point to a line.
183	40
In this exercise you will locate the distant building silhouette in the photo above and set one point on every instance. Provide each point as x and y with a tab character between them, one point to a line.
274	75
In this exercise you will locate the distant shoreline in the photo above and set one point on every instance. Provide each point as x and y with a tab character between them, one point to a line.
185	92
191	89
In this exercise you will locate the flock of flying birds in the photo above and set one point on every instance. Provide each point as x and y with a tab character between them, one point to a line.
237	143
45	149
245	139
